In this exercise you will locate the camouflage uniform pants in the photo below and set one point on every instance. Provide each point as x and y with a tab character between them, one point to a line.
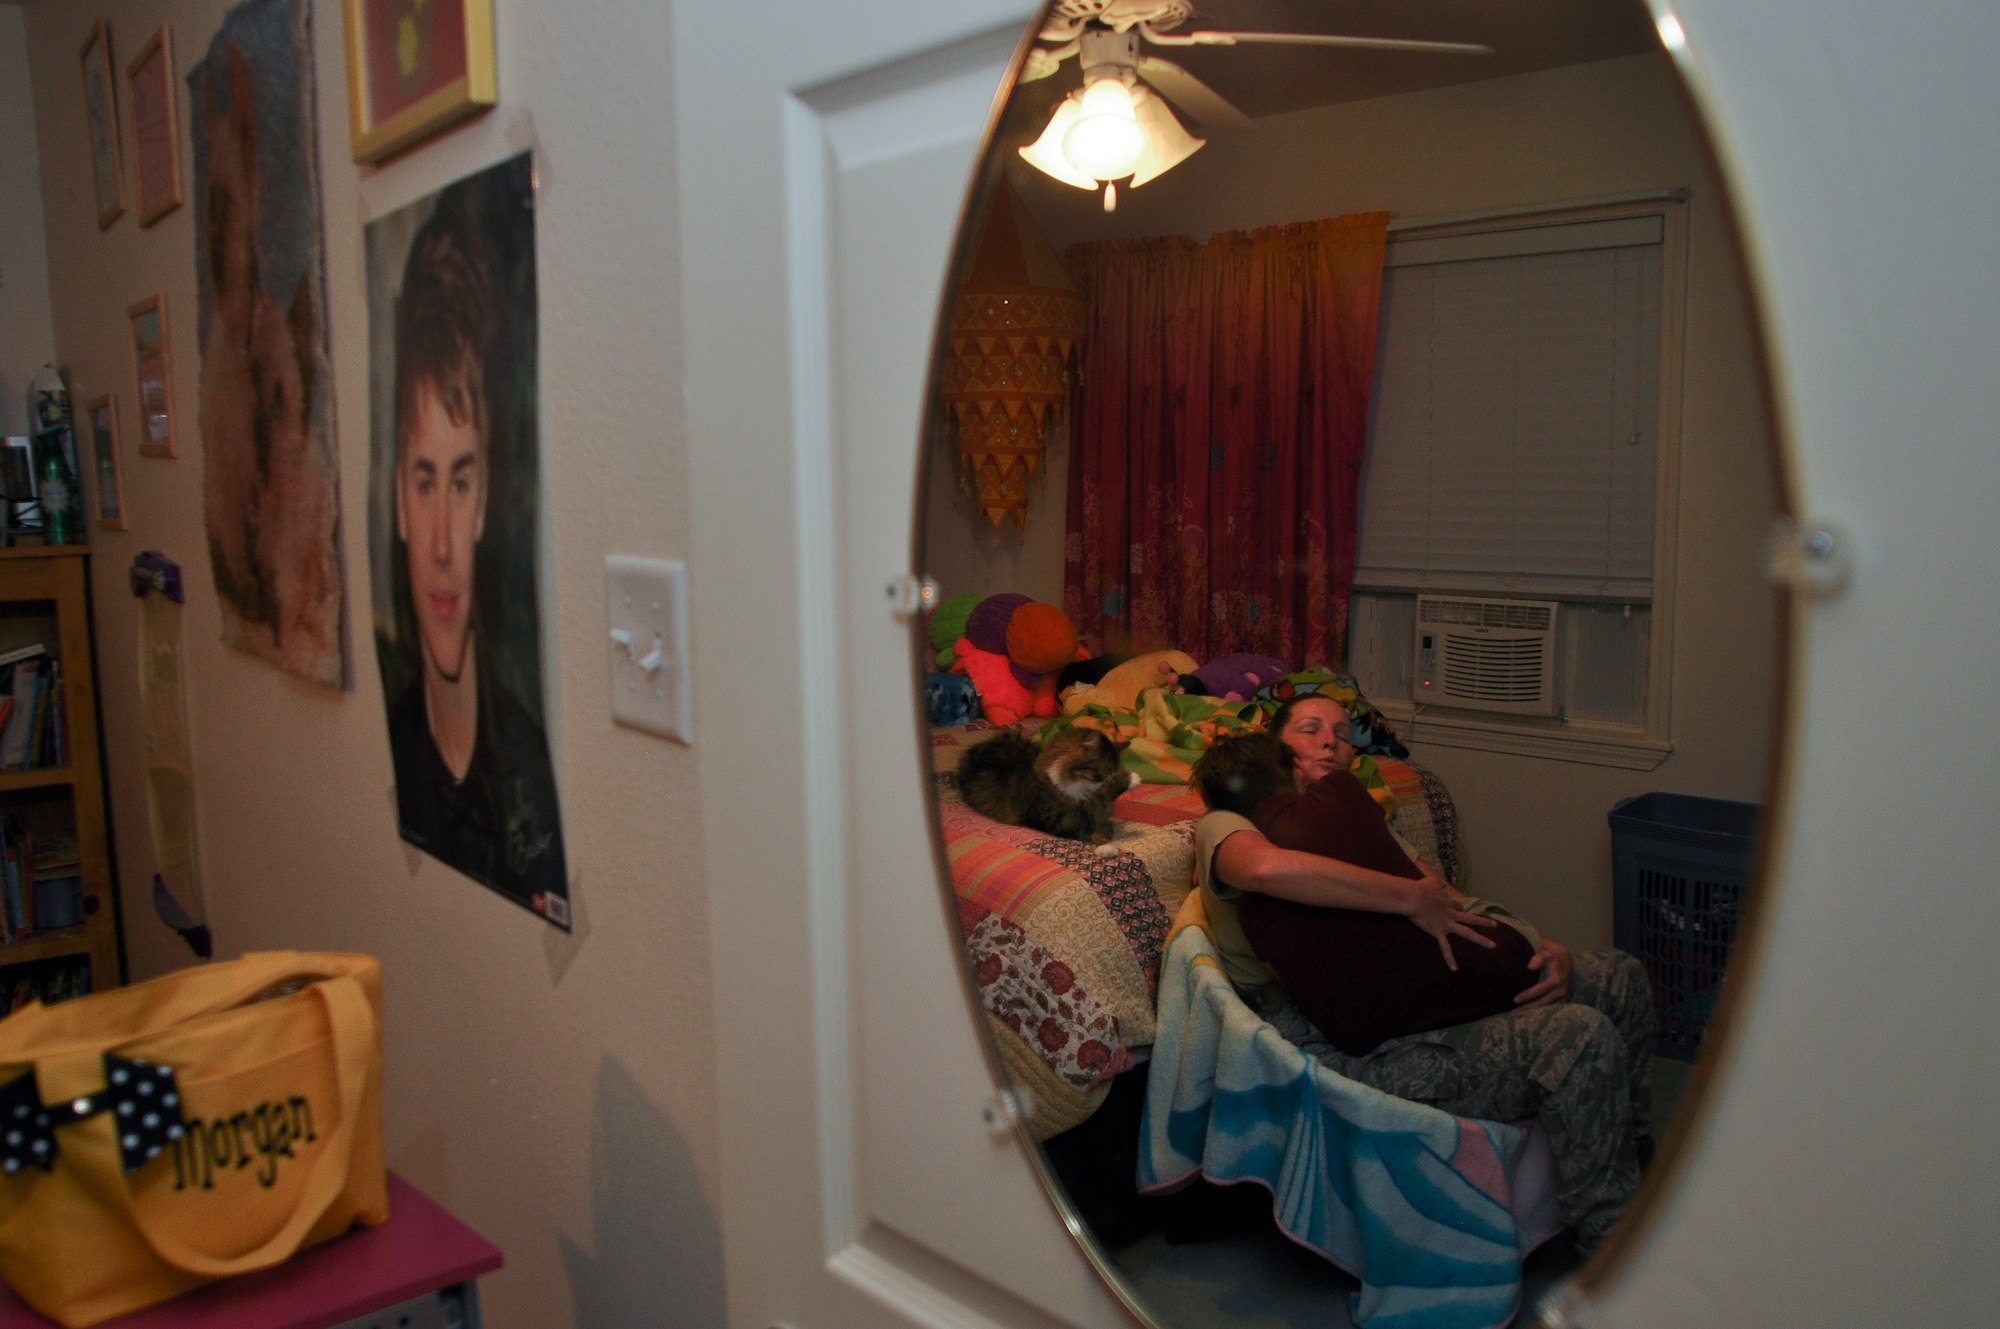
1583	1069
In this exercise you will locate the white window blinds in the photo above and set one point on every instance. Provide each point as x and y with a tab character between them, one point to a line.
1511	443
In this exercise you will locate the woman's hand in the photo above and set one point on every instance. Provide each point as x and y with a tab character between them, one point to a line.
1434	909
1553	963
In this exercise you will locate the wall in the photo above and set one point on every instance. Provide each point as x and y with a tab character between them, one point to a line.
556	1091
965	554
27	338
1535	828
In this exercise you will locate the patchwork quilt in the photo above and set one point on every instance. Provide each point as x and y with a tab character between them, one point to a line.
1066	942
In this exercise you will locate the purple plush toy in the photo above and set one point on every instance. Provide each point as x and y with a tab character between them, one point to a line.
1237	677
986	627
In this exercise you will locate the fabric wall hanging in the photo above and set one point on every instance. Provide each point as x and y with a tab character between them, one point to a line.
1014	323
270	462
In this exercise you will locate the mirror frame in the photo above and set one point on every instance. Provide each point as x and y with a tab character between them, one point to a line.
1679	1147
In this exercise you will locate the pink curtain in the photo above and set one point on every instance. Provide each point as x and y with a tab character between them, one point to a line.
1220	421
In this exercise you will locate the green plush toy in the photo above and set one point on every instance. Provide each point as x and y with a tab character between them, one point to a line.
948	625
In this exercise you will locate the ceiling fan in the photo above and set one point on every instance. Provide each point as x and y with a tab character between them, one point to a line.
1115	125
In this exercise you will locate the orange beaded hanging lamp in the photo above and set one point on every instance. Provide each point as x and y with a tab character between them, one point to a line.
1014	323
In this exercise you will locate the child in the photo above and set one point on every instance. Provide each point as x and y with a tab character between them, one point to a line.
1361	977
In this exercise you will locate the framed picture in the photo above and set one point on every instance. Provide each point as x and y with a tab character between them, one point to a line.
152	360
155	119
100	423
100	110
413	68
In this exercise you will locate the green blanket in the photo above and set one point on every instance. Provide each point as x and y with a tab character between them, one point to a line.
1166	736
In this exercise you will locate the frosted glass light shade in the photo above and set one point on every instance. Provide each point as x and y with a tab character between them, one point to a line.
1045	153
1106	142
1167	144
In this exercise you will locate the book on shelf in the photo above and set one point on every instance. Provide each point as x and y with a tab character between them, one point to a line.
32	729
41	728
22	686
47	983
52	855
14	921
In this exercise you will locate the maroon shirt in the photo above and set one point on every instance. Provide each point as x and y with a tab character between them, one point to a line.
1364	977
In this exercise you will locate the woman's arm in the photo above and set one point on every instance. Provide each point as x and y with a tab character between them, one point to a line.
1249	862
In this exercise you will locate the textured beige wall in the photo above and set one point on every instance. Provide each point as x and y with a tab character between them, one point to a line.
556	1091
1535	828
966	555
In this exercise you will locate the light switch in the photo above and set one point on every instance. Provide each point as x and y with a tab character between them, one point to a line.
649	668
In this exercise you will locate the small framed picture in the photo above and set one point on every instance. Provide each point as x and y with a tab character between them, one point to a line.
415	67
100	422
152	360
100	110
155	133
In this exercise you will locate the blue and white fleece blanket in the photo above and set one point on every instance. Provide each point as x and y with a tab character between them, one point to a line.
1432	1212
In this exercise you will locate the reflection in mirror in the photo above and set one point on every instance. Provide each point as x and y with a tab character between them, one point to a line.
1355	676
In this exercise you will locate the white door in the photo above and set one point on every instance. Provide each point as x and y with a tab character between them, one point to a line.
825	156
1846	1174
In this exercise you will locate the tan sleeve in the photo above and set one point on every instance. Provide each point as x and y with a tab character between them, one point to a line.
1209	833
1239	960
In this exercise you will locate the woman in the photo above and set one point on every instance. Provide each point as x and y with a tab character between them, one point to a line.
1576	1053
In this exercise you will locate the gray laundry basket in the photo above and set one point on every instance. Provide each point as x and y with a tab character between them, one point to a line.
1679	866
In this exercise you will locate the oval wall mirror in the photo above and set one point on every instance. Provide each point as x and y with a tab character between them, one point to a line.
1355	679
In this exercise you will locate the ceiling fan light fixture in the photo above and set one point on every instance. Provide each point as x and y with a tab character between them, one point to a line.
1045	153
1167	144
1106	141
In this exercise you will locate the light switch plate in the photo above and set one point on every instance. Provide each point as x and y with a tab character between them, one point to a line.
649	652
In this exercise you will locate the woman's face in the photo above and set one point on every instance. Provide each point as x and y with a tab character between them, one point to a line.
1320	737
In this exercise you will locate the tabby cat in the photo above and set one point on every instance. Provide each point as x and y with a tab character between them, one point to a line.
1065	787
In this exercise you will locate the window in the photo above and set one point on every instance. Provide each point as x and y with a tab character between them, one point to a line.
1522	445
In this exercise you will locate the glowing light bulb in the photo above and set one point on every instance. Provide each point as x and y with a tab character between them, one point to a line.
1106	142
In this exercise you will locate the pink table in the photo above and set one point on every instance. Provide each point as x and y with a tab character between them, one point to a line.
420	1249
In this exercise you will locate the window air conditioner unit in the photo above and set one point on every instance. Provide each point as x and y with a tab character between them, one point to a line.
1486	655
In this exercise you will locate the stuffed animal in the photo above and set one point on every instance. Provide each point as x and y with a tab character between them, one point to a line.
1237	677
1089	672
1006	699
986	625
948	625
1120	688
1033	640
1040	639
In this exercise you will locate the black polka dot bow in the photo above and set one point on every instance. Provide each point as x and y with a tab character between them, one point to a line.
143	1098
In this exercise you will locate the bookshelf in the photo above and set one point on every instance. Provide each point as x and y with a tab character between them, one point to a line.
45	600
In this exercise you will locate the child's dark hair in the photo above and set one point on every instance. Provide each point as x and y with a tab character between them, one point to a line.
1241	772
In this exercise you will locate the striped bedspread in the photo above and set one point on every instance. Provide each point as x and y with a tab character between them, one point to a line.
1432	1212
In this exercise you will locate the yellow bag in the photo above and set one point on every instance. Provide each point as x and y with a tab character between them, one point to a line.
204	1124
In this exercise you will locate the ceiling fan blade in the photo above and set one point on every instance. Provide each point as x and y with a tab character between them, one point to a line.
1192	95
1311	39
1042	62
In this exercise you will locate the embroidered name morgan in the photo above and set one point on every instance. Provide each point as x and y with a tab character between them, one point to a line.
263	1134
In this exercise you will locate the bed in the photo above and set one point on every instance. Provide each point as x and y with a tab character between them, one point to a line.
1066	943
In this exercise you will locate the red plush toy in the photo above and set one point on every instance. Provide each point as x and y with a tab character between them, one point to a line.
1039	642
1002	696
